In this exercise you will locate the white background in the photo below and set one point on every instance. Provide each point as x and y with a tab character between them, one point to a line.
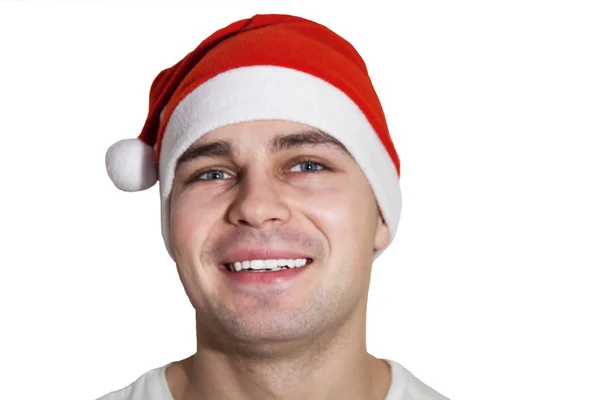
489	291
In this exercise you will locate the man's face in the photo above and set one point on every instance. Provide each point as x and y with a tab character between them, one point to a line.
273	190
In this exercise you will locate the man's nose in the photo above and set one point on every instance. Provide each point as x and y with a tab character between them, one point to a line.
259	201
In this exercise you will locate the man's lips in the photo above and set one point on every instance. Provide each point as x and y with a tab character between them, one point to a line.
262	265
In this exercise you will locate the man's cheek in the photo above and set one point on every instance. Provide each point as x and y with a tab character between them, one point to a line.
185	230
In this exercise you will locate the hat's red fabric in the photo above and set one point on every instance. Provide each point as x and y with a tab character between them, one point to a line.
273	39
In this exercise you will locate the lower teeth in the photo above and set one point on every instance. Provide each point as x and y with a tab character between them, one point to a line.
259	270
265	270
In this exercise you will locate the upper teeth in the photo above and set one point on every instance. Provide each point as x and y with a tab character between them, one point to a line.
268	264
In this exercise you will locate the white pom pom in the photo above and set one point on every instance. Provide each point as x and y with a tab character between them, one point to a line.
131	165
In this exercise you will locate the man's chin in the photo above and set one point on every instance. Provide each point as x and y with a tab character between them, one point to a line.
265	329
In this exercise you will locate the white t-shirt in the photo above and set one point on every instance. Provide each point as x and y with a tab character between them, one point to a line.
153	386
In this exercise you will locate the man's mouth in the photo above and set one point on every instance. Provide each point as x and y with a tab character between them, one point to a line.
266	265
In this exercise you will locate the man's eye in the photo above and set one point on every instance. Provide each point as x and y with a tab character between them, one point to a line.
307	166
213	174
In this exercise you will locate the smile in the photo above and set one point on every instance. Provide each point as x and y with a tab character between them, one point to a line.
266	265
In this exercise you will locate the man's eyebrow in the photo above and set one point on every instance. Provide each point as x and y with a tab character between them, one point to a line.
220	148
308	137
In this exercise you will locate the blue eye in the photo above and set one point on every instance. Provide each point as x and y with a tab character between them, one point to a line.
309	166
213	174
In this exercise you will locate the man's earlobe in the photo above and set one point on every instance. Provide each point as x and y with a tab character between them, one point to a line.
382	234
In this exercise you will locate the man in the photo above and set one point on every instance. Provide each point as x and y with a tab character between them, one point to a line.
279	188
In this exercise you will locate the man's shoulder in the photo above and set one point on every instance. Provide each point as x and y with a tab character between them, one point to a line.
406	386
152	385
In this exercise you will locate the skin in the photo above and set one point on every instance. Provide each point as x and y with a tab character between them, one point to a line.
303	339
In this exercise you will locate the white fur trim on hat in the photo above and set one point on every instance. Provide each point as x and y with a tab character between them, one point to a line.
131	165
271	92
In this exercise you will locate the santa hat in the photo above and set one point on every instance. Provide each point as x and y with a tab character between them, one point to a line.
266	67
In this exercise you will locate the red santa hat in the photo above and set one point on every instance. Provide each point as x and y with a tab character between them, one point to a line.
266	67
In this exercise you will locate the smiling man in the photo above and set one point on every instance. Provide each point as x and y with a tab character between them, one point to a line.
279	188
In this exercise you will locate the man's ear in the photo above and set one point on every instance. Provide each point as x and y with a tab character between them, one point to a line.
382	234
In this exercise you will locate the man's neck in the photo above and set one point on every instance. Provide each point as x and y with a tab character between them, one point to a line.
342	369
